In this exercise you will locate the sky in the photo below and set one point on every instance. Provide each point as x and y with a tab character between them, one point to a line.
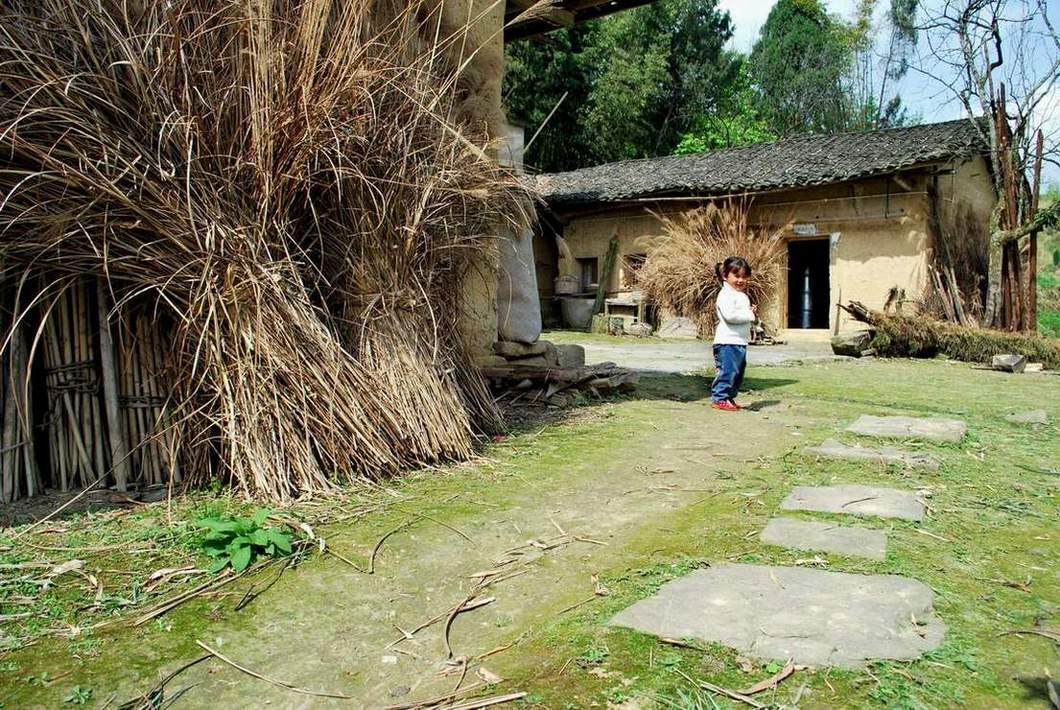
921	95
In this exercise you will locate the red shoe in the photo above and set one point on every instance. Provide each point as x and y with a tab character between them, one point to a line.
725	406
733	403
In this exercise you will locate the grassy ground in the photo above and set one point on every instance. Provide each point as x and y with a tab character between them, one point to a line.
666	482
1049	285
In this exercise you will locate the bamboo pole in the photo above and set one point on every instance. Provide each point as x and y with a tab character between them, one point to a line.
119	454
57	412
153	390
96	416
9	457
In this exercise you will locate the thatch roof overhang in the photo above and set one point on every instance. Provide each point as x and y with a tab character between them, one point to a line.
527	18
792	163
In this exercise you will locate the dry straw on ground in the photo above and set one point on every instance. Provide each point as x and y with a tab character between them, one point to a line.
679	272
290	189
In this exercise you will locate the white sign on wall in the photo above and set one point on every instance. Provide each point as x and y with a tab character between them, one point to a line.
805	230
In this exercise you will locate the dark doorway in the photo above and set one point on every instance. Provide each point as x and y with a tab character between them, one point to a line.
808	283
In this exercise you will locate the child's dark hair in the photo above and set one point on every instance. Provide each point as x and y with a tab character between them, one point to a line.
733	263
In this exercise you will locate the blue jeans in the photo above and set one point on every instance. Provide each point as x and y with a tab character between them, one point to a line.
731	361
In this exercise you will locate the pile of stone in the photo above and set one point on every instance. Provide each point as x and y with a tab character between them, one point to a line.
549	374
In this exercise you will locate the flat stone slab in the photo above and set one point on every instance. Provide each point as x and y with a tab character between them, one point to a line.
810	616
1035	416
930	428
855	500
833	449
826	537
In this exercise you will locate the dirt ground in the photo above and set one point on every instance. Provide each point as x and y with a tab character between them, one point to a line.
564	525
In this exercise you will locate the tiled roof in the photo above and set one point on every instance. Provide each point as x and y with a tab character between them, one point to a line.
793	162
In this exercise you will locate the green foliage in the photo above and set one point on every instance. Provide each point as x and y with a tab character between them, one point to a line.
635	83
815	73
798	64
78	696
736	122
238	541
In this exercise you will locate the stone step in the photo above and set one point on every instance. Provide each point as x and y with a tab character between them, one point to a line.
826	537
929	429
856	500
833	449
810	616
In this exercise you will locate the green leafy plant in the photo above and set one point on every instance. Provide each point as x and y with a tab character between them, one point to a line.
78	696
238	541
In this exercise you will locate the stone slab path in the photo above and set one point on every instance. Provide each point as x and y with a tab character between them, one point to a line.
833	449
1034	416
930	429
826	537
810	616
855	500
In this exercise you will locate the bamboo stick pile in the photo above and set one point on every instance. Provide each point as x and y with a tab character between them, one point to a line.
75	425
143	397
18	467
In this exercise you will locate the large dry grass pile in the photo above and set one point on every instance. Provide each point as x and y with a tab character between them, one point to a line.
679	271
290	187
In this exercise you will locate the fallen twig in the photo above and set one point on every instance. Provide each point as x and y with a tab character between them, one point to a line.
722	691
487	702
577	604
771	682
277	683
467	605
375	550
1051	634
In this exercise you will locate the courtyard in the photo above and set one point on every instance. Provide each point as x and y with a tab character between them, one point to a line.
501	578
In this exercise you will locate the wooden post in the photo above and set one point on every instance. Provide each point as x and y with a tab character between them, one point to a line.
605	275
119	454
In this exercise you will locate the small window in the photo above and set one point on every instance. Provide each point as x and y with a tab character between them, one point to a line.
587	269
631	269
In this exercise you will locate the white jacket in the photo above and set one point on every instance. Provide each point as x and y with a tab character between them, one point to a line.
734	317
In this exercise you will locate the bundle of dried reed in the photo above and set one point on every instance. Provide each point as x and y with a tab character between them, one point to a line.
290	186
679	272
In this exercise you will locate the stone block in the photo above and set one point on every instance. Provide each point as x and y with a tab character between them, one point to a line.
510	349
570	355
1009	363
929	428
852	344
678	327
832	449
490	361
826	537
810	616
855	500
640	330
1035	416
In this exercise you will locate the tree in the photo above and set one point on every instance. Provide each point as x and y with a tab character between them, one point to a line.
816	73
735	120
1001	60
634	82
798	65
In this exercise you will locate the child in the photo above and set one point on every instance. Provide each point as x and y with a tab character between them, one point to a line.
735	316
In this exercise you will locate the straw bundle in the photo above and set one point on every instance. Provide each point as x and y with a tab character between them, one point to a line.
289	188
679	271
